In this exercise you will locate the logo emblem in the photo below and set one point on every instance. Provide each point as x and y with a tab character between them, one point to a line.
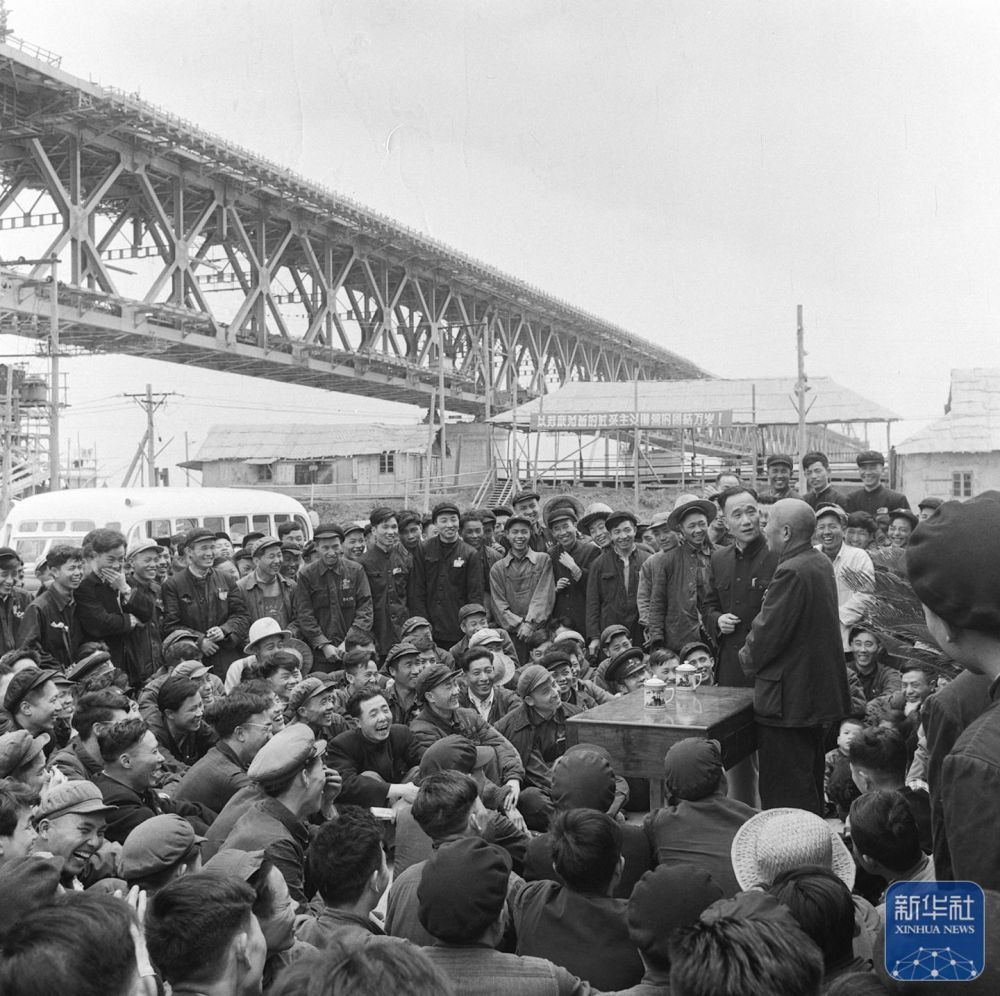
935	931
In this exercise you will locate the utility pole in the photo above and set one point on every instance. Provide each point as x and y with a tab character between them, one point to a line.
150	403
801	387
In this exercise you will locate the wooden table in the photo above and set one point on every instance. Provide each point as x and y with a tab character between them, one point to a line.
637	738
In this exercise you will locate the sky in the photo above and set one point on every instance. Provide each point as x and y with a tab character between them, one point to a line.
689	171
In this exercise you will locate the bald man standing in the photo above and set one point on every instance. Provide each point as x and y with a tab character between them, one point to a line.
795	656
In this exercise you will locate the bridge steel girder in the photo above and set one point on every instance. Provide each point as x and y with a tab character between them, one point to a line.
318	290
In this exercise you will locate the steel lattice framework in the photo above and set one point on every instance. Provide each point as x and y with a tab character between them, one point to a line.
178	245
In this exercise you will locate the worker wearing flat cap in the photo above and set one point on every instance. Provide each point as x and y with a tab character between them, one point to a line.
537	731
289	770
953	563
205	599
13	599
447	574
613	582
528	505
441	715
521	587
680	580
627	671
160	850
267	591
332	594
389	566
144	644
33	701
22	758
873	496
779	476
850	563
313	702
572	556
473	617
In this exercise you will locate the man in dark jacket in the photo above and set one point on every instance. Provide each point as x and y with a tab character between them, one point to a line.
447	574
795	653
266	591
242	721
613	582
108	607
13	600
738	578
80	759
679	581
873	497
953	561
388	566
332	594
50	624
572	557
537	731
144	645
132	759
207	600
378	759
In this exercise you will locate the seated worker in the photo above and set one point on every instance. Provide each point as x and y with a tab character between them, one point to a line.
627	671
699	825
378	759
311	702
700	656
838	783
480	691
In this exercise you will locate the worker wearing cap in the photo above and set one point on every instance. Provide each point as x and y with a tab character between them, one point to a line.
205	599
613	584
70	821
873	496
522	587
680	582
473	618
389	566
289	771
779	476
447	574
266	591
527	504
536	729
144	645
441	716
13	600
852	568
332	594
572	556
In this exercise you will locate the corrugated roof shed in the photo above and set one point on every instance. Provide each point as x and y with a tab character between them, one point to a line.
774	403
972	422
307	441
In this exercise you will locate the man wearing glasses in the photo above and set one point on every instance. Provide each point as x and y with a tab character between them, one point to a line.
242	721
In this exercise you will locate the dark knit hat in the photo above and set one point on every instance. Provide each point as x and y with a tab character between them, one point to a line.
953	562
693	767
463	889
664	899
583	780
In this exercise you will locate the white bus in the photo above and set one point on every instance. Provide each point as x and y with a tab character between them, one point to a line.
39	522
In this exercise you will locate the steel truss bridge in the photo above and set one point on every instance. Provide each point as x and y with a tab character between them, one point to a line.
177	245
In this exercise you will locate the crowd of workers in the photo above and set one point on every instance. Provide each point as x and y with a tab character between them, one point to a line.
341	765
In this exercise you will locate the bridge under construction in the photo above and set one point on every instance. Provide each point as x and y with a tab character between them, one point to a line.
177	245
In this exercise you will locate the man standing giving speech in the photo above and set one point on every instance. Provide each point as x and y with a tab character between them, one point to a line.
796	658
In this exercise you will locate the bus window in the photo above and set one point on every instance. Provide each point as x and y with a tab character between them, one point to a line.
303	525
280	517
28	526
31	550
216	523
84	526
185	525
262	524
113	525
53	526
239	526
158	527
